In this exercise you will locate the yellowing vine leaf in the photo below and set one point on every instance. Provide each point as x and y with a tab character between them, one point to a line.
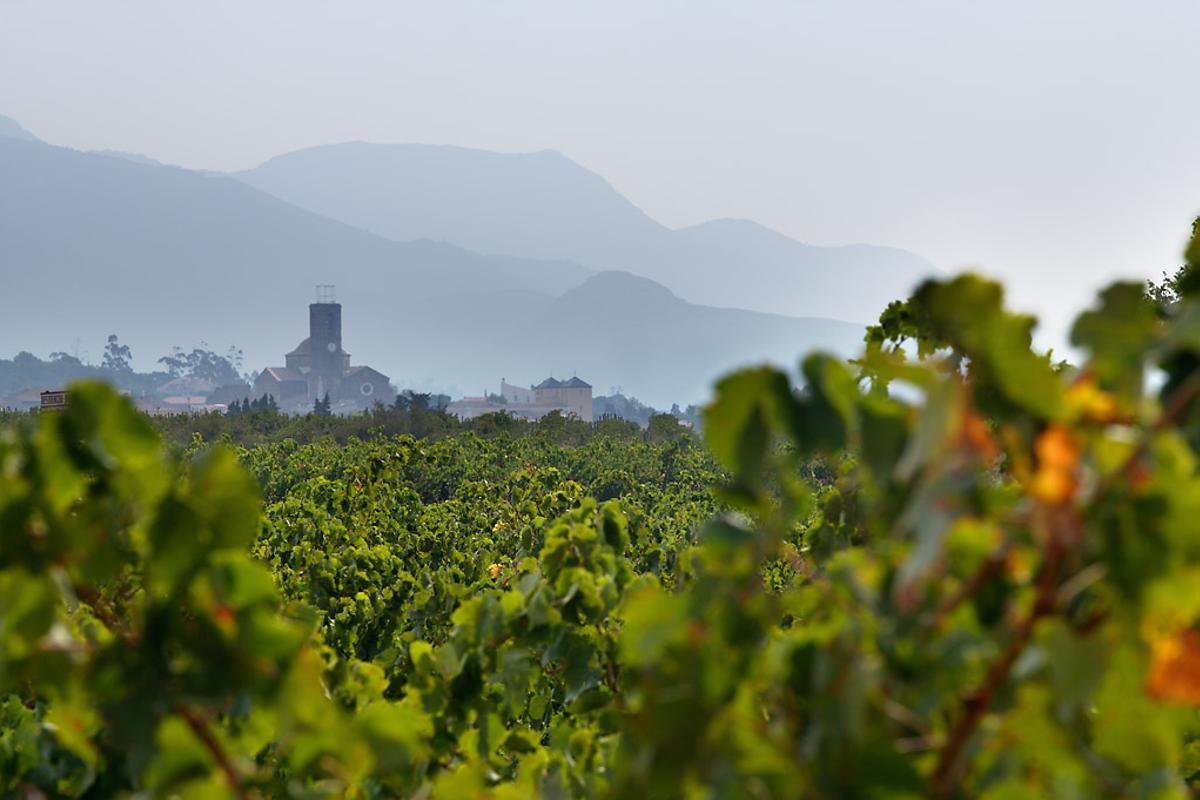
1054	482
1174	674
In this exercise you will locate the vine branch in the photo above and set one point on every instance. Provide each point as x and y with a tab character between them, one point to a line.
992	566
1176	405
975	705
200	728
945	774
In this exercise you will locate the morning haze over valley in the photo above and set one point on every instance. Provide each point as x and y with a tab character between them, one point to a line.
456	267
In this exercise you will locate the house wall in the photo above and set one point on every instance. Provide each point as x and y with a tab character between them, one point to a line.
284	392
364	389
577	401
300	362
265	384
515	394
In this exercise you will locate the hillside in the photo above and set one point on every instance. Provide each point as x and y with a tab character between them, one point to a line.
93	245
11	129
136	158
532	204
161	256
740	258
617	330
543	205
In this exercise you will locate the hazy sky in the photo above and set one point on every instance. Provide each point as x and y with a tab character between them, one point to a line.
1052	143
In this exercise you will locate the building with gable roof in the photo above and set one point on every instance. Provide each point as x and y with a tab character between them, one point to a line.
575	395
318	366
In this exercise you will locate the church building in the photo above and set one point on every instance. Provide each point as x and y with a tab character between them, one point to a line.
319	366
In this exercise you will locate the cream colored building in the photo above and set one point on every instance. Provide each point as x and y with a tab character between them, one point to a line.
571	397
575	395
515	394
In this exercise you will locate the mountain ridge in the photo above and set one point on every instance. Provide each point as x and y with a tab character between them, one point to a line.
545	205
11	129
638	335
93	244
348	189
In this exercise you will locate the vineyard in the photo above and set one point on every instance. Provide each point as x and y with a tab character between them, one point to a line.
952	568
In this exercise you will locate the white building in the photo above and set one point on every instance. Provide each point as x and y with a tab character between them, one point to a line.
571	398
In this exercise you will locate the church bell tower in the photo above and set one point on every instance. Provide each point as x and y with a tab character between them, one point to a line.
325	341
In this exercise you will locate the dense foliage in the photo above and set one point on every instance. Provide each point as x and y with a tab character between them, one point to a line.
990	593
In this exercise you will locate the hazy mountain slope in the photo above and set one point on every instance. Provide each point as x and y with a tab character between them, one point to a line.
11	129
679	343
136	158
849	282
544	205
619	330
538	205
91	245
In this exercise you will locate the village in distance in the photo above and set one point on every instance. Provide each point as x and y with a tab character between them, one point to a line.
317	376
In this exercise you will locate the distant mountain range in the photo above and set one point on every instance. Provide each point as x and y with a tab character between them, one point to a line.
92	244
543	205
616	330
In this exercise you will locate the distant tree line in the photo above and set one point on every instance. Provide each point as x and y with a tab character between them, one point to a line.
263	405
630	408
322	407
420	401
253	422
26	371
204	364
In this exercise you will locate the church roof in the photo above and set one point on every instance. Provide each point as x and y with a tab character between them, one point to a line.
549	383
364	370
282	374
305	349
576	383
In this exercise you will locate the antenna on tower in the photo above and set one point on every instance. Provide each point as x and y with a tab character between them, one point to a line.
326	293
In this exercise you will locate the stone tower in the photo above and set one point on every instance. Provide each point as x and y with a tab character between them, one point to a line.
325	342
